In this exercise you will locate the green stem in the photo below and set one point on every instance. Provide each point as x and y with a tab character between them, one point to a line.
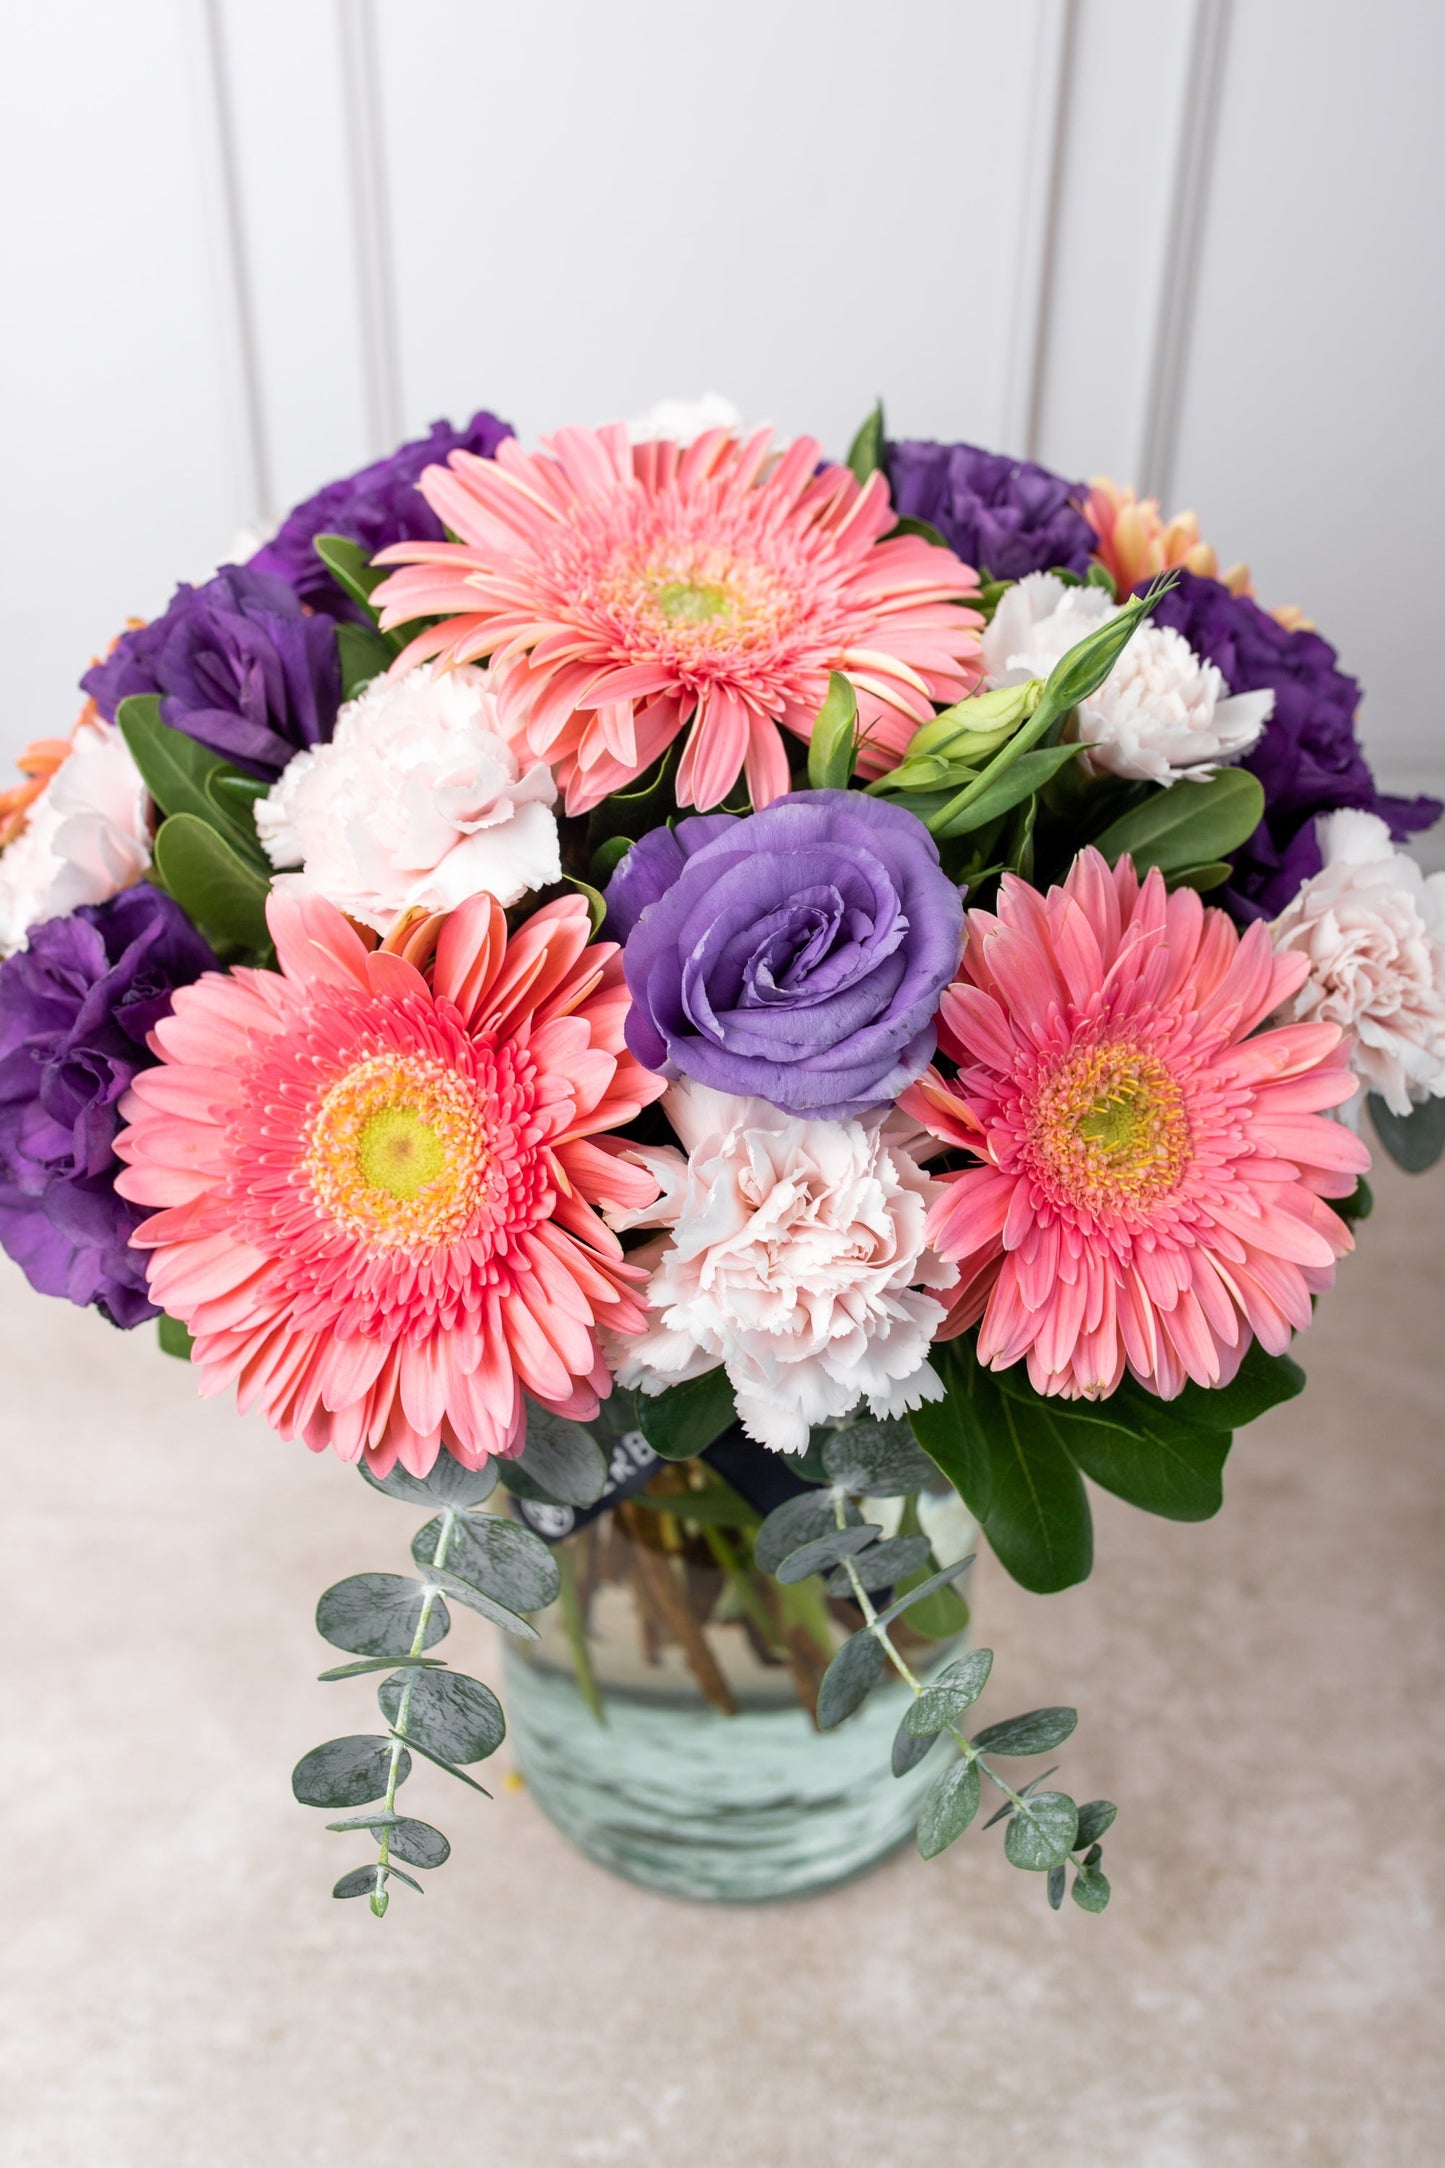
576	1631
740	1580
379	1899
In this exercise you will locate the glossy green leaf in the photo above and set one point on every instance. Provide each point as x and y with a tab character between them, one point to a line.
1042	1833
954	1432
949	1808
377	1614
350	567
219	890
1261	1382
1028	774
346	1772
685	1419
941	1616
173	766
500	1557
596	903
174	1337
1036	1733
363	655
1188	824
447	1483
942	1703
1414	1140
1038	1518
606	859
1202	878
451	1716
833	743
634	812
865	453
849	1679
924	529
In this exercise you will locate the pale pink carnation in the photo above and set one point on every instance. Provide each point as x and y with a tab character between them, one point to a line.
86	835
798	1261
1371	929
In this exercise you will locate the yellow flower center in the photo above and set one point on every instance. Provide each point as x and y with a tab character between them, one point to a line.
396	1152
687	602
1110	1125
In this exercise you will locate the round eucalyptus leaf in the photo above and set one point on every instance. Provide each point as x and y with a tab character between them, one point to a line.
1057	1878
1095	1816
825	1551
360	1882
347	1772
949	1808
377	1614
449	1715
416	1842
953	1691
447	1484
561	1463
908	1749
880	1460
1091	1890
477	1599
849	1678
798	1521
1037	1733
1042	1832
882	1565
503	1559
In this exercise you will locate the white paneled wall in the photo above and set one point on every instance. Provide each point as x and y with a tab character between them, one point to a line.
250	242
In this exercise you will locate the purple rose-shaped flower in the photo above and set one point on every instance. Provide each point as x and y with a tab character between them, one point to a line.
239	665
1308	759
795	956
75	1008
1006	517
381	504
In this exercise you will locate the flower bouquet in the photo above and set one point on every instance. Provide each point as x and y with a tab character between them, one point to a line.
716	1021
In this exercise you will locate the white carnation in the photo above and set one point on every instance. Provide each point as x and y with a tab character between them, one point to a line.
1373	929
681	420
797	1262
1161	713
87	836
418	800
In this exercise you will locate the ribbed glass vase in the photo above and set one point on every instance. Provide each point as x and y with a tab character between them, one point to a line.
665	1721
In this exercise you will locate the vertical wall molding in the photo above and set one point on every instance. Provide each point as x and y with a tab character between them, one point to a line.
1199	107
233	294
370	220
1048	79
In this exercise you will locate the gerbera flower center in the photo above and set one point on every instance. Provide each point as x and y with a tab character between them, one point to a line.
1109	1125
396	1152
694	601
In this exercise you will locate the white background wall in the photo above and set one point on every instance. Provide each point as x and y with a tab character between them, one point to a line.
249	243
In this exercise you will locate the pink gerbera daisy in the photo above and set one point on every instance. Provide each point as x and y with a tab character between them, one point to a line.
1153	1165
623	591
377	1174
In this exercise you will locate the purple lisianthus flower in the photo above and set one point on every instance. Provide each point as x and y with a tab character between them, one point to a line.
1006	517
796	955
239	665
1309	759
75	1008
381	504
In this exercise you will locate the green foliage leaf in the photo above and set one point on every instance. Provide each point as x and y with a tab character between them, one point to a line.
606	859
595	902
1091	1890
882	1565
416	1842
178	771
361	1881
949	1808
685	1419
865	453
879	1460
1414	1140
174	1337
1042	1833
955	1431
1027	774
365	1664
633	812
449	1715
833	745
350	567
1057	1877
1095	1818
909	1749
346	1772
824	1551
476	1599
1261	1382
942	1704
1187	824
447	1483
1356	1207
923	528
377	1614
363	655
221	892
1036	1733
560	1465
1038	1519
849	1679
795	1522
908	1598
440	1761
498	1556
1158	1463
1201	877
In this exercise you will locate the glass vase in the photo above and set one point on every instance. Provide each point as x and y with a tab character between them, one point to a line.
665	1720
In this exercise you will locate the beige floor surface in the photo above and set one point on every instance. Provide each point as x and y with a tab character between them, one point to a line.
1261	1695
